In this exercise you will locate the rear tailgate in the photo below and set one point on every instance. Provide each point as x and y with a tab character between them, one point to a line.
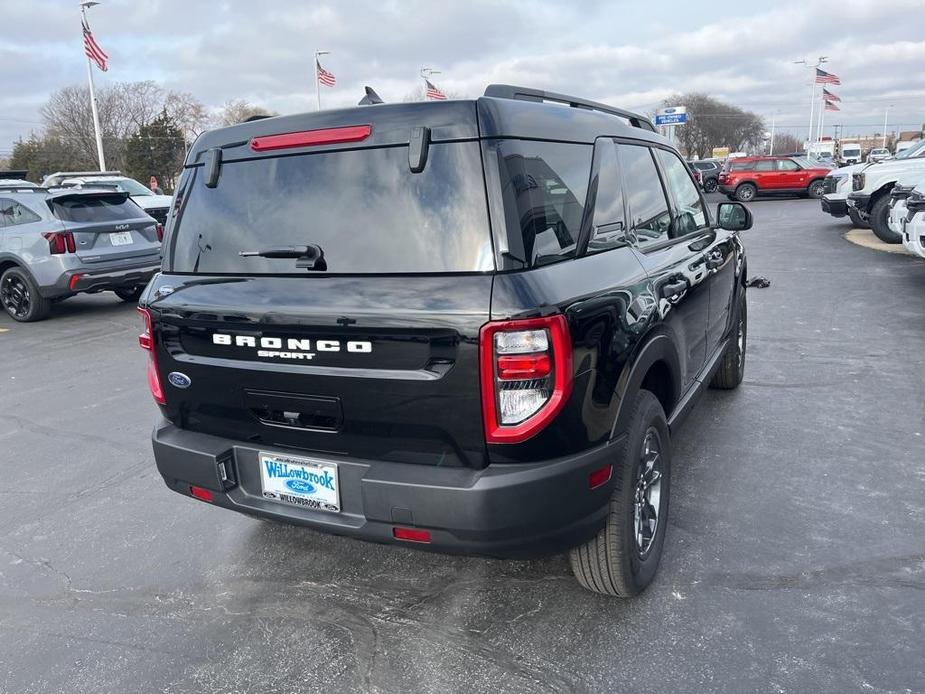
379	368
107	226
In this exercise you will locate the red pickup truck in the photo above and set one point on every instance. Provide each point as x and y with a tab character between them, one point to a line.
745	178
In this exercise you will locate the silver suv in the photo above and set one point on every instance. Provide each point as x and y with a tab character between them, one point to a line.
60	242
154	204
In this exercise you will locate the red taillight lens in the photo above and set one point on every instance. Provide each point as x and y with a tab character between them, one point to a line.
310	138
600	477
146	341
60	242
159	230
72	283
411	534
526	375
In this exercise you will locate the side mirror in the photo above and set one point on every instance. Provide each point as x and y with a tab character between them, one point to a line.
733	216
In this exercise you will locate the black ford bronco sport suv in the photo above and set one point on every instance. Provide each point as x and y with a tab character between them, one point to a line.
470	326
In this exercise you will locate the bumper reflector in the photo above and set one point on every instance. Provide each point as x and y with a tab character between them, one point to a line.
411	534
202	494
600	477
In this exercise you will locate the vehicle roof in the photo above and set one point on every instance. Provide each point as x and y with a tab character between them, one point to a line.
486	117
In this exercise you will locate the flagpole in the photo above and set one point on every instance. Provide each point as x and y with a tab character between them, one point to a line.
96	116
317	83
773	118
822	118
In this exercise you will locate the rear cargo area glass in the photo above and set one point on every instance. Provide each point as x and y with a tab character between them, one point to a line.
365	208
96	209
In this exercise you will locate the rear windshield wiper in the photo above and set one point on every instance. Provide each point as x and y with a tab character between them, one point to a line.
310	257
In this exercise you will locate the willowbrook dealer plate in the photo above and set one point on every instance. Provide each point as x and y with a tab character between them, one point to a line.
300	482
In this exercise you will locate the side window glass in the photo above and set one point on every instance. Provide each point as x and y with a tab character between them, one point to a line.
690	214
6	211
787	165
20	214
609	223
764	165
650	215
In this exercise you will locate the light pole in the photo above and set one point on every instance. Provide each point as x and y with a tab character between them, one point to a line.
812	97
84	4
885	115
773	118
317	83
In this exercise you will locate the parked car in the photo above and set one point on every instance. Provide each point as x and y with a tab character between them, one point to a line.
913	227
836	186
709	171
871	187
57	244
492	360
747	177
154	204
878	154
902	218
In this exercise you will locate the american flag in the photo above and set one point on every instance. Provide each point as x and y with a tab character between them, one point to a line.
823	77
829	106
326	78
432	92
829	95
92	48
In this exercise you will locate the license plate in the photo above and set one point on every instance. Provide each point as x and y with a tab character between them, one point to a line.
120	238
300	482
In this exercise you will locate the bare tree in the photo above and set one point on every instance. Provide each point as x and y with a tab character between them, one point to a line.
239	110
188	113
787	143
713	123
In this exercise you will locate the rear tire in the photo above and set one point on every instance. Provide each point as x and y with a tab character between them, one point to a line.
746	192
130	296
710	185
20	296
816	189
856	219
623	558
880	221
732	367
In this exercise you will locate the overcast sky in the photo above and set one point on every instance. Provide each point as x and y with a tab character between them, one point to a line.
630	54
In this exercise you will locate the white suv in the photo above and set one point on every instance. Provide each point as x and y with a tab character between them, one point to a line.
907	213
872	186
152	203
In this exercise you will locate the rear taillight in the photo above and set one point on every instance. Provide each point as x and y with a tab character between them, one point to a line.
159	230
526	373
60	242
146	341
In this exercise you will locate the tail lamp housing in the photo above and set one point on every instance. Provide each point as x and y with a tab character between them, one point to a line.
526	374
60	242
146	342
159	230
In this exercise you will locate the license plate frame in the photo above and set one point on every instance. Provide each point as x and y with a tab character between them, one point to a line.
299	482
121	238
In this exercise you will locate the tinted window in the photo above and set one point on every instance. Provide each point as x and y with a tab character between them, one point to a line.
609	221
543	189
649	212
787	165
13	213
690	214
765	165
741	166
365	208
103	208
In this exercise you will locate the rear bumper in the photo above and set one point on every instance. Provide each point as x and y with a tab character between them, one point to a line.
837	207
509	510
727	189
101	280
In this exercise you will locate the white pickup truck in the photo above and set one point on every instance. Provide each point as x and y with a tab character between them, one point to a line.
871	187
907	212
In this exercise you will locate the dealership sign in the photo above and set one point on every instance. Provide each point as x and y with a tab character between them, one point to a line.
673	115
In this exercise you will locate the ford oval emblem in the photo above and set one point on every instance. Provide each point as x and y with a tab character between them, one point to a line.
178	380
301	486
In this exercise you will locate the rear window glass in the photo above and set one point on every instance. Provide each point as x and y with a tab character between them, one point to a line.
95	209
543	186
365	208
741	166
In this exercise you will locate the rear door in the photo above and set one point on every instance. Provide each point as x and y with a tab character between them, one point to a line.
765	175
372	353
669	248
107	226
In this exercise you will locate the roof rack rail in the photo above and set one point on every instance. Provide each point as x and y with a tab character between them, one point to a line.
507	91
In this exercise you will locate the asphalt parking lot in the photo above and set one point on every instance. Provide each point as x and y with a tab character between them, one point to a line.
794	561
